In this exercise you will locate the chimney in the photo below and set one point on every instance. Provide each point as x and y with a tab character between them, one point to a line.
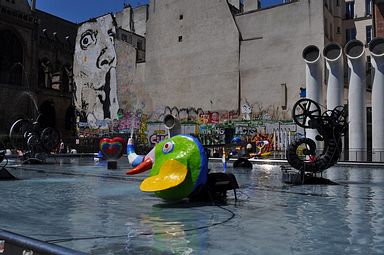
250	5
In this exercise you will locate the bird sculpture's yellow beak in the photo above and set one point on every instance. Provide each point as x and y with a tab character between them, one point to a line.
171	174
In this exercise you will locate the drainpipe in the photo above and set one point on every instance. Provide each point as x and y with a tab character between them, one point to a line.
333	54
33	5
313	82
376	48
357	115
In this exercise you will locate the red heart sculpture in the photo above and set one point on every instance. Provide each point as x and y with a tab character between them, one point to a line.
112	148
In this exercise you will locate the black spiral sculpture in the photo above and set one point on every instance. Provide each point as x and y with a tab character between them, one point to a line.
331	126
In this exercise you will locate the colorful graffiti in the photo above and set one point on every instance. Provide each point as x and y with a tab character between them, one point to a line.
129	121
158	136
255	137
264	144
142	132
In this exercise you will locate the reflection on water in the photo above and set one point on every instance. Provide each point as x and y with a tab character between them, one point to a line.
167	235
99	211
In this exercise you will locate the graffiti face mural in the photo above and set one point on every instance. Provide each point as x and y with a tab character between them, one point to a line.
95	71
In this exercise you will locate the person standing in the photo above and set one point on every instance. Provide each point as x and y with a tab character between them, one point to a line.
62	147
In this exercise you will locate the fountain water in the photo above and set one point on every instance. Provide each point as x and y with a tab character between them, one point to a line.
26	101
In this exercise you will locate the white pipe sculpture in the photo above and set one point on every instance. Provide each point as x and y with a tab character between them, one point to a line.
313	81
172	124
376	48
333	54
357	115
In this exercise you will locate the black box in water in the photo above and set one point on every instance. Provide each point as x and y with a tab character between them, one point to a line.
291	177
112	164
296	177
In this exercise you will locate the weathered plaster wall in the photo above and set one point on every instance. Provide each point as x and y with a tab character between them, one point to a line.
235	3
140	19
95	71
192	55
271	53
125	68
133	19
130	77
124	19
250	5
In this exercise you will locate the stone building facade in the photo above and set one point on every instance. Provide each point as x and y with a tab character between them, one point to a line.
36	58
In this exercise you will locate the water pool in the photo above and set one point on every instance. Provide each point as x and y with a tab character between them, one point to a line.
79	204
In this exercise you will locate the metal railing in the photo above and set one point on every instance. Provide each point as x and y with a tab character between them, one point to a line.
346	155
91	145
15	244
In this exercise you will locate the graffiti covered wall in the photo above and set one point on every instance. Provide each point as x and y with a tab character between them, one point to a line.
257	136
95	72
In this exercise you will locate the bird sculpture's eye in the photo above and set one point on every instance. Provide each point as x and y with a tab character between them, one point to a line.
168	147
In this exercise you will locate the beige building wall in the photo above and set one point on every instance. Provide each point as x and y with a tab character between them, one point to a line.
361	29
360	20
333	18
271	54
192	55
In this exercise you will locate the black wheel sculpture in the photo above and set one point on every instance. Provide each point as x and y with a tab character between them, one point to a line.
49	138
331	126
305	111
19	133
339	117
296	158
33	140
2	151
35	143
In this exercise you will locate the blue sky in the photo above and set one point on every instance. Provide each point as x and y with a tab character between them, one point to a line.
82	10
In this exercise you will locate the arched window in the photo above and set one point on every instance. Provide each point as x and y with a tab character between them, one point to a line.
66	78
11	58
44	77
